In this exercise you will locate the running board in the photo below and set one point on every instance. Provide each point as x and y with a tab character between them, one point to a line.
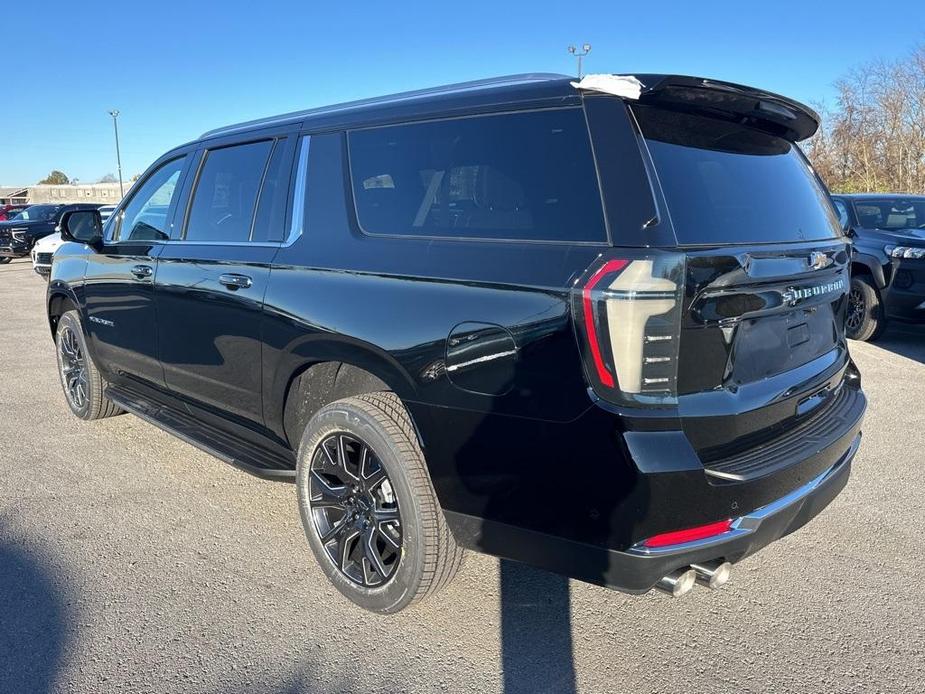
231	449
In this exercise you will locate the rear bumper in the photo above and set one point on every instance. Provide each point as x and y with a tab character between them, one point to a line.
638	569
582	505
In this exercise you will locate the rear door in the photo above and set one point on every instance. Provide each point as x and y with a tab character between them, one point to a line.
119	283
212	276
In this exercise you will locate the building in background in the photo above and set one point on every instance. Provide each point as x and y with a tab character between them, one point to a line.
103	193
14	195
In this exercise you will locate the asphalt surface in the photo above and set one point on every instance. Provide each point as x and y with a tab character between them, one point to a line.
130	561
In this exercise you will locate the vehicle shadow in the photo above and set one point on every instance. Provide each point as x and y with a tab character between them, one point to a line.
904	339
33	617
536	631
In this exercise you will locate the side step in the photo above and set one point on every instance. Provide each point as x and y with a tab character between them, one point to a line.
216	442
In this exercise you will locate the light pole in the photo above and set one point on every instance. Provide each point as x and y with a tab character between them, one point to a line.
585	49
115	125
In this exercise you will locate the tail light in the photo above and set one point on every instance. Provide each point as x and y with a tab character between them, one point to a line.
628	311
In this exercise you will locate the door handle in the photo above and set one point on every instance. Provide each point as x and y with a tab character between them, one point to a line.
233	281
142	271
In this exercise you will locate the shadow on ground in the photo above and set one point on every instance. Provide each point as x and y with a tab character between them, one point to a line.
33	618
536	631
905	339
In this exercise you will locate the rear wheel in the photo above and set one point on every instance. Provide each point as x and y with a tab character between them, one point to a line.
866	319
81	380
5	260
367	505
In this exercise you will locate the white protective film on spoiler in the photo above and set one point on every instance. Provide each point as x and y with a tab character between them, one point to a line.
625	86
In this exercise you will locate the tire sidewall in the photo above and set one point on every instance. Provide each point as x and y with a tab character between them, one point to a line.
402	586
70	321
873	321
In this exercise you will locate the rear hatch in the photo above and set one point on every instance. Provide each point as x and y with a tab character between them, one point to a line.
750	350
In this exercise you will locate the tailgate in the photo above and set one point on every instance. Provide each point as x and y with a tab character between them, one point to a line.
762	344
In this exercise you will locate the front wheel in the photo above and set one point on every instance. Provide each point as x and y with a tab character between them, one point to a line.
866	319
367	505
5	260
81	380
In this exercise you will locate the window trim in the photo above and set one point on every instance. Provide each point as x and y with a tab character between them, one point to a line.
300	191
118	215
352	207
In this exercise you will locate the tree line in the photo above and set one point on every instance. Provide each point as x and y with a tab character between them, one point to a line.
873	138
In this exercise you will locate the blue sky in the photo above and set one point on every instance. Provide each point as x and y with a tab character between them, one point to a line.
176	69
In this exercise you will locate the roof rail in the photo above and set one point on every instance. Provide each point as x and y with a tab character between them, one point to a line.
489	83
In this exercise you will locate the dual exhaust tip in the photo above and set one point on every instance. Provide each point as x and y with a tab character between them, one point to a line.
712	574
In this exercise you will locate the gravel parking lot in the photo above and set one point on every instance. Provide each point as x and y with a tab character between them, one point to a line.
131	561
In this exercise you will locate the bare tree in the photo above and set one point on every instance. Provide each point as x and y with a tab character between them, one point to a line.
873	139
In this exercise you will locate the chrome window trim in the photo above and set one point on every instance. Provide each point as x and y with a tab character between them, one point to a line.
297	223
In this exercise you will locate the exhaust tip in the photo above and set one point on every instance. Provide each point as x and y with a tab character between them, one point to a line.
713	574
678	582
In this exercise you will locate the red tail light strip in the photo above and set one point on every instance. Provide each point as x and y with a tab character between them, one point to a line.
689	535
610	266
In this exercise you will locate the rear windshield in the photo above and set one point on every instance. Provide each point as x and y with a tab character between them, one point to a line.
891	214
519	176
726	183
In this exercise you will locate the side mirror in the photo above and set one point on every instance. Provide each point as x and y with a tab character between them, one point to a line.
82	226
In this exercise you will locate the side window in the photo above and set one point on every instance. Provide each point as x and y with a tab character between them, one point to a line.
842	210
144	218
525	175
271	203
223	202
870	216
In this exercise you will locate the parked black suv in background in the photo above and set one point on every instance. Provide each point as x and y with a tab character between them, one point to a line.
601	335
888	270
18	235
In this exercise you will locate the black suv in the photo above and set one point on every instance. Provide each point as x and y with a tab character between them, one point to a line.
888	270
598	334
18	235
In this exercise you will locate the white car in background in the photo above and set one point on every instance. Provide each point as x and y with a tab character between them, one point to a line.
44	249
106	212
42	253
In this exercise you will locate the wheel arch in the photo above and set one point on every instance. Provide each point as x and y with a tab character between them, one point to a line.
310	382
60	302
862	264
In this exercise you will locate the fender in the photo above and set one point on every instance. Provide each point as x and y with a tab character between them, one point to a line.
58	293
872	263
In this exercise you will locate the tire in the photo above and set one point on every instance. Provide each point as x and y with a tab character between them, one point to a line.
80	379
866	319
427	556
5	260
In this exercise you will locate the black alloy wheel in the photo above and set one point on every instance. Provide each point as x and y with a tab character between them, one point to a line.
354	510
73	368
857	307
864	318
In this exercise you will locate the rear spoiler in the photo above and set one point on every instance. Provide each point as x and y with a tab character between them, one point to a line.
767	111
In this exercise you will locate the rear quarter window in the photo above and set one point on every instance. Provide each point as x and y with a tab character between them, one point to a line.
521	176
726	183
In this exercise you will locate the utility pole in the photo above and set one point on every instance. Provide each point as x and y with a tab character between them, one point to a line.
115	125
585	49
